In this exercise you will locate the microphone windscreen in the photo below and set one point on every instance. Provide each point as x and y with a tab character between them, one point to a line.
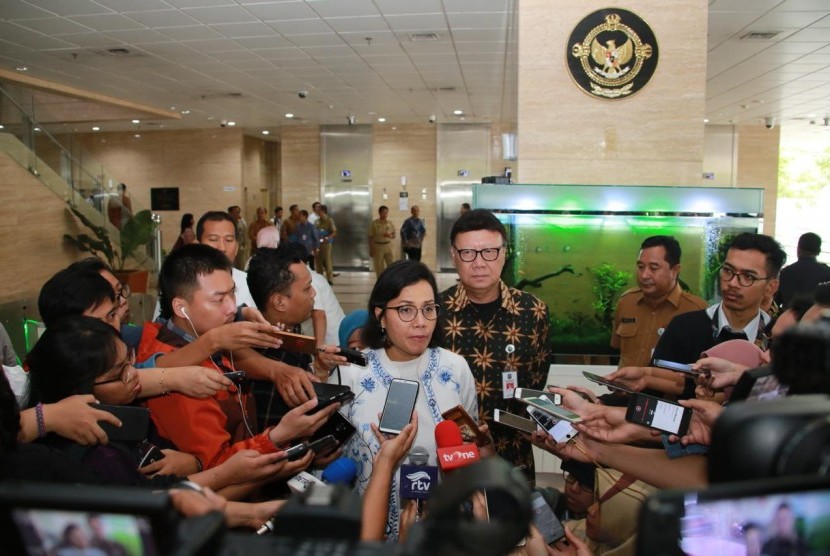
340	471
447	434
418	455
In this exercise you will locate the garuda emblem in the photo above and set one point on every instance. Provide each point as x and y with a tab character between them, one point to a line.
613	54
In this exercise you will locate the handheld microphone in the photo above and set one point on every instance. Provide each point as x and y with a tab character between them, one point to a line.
417	478
452	452
340	471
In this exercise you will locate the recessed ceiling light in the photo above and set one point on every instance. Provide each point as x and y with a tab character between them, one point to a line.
231	123
137	135
705	120
185	112
266	132
37	129
289	115
22	68
381	120
96	128
457	112
1	126
136	121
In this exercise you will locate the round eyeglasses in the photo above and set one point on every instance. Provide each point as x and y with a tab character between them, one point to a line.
407	313
124	374
745	280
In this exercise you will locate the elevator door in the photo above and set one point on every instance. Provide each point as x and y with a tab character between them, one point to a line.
346	165
463	159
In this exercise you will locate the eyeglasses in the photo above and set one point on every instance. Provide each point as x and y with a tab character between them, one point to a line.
124	293
745	280
469	255
571	480
123	374
407	313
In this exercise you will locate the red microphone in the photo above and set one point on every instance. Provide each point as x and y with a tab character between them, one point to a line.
452	452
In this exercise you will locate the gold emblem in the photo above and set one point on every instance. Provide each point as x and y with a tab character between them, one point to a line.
612	54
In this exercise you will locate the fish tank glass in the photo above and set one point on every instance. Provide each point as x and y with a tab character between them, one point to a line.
576	246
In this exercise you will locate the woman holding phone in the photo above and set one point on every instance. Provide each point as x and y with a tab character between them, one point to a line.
403	340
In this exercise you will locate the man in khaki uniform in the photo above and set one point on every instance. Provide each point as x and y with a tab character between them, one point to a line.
325	224
381	234
644	312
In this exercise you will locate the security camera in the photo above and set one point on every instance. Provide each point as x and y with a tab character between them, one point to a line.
223	123
769	123
302	94
351	119
432	119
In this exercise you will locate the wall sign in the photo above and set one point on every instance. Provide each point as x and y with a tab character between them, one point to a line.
612	54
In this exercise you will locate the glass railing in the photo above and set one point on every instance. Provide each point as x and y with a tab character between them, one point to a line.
59	161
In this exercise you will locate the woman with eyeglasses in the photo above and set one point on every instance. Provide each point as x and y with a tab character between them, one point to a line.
403	340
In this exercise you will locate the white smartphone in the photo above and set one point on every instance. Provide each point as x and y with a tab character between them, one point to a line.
530	393
559	429
514	421
545	404
400	402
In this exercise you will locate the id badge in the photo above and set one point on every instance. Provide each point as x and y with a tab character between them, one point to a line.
509	381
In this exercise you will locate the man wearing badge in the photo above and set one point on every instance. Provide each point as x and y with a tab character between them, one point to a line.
502	332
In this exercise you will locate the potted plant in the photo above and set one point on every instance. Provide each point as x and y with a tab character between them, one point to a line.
137	231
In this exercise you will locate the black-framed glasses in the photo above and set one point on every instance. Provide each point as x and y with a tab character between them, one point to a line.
125	292
469	255
124	373
745	280
571	480
407	313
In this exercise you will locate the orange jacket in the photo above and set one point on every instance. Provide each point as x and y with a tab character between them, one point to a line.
212	429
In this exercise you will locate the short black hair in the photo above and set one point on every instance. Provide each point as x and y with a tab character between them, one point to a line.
822	294
465	206
292	207
304	212
324	208
474	220
179	276
269	271
231	208
277	209
69	356
71	292
382	208
213	216
391	282
671	245
776	257
810	243
90	264
186	222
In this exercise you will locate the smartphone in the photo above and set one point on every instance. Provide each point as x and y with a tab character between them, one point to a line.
468	427
148	453
672	366
546	405
353	356
400	402
559	429
337	426
658	414
297	343
545	519
514	421
235	376
319	446
134	422
328	394
609	383
529	393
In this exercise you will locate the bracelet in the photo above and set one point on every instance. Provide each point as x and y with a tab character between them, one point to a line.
41	425
164	391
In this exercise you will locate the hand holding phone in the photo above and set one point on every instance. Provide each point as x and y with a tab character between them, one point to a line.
514	421
235	376
353	356
400	402
658	414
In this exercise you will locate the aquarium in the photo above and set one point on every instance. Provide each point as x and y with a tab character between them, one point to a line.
575	246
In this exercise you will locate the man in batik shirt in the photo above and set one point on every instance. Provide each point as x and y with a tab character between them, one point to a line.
501	332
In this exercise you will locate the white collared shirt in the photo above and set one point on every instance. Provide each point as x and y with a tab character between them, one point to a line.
760	321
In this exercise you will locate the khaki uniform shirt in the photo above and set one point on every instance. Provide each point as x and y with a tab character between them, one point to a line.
379	227
637	326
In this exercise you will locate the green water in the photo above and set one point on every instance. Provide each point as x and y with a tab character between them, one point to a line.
541	244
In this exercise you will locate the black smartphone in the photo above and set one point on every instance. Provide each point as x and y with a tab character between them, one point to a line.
353	356
609	383
148	453
658	414
236	376
679	367
328	394
134	422
400	402
319	446
337	426
545	519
